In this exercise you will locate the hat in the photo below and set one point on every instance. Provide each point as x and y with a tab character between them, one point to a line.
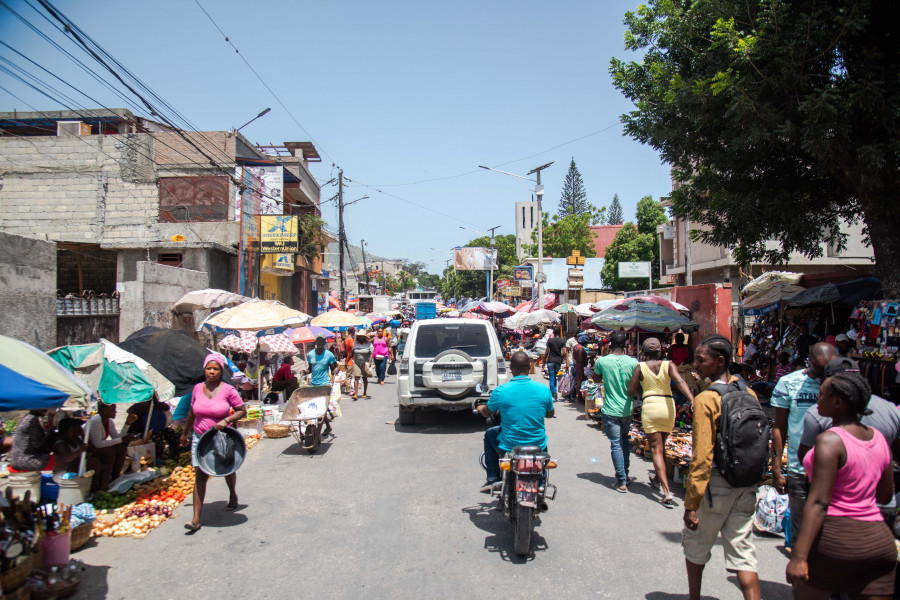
839	365
841	338
204	453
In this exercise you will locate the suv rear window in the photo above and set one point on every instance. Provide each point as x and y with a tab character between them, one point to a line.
471	338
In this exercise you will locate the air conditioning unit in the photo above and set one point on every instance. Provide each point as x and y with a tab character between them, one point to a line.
72	128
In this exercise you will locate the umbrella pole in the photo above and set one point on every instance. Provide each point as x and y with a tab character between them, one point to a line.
149	414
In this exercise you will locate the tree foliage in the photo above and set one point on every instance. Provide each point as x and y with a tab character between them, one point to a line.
779	118
649	214
629	245
573	200
563	235
615	213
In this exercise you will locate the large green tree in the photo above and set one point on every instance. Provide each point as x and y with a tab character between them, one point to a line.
780	118
629	245
573	200
649	214
563	235
615	213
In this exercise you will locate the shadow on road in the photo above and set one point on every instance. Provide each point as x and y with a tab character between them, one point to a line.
770	590
486	517
668	596
442	422
215	515
94	582
296	449
607	481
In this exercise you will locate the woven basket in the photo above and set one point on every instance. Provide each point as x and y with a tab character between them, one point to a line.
276	431
13	578
61	590
80	536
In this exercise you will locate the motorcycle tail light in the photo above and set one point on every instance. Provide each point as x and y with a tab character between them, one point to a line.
551	464
505	464
404	366
527	465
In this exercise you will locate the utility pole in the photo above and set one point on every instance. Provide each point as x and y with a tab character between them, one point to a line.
341	239
362	245
539	277
491	281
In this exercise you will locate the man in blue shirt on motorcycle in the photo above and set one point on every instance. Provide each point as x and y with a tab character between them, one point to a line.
523	405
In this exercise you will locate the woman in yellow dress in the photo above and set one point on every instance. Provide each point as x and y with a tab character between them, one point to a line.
653	379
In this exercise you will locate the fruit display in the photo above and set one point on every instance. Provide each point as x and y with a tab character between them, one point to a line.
252	440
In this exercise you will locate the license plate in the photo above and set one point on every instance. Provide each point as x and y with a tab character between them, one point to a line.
451	376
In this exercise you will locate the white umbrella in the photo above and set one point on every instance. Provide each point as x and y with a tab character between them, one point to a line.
207	299
584	310
525	320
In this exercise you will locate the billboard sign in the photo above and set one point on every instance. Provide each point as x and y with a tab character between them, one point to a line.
639	270
473	259
524	273
502	283
513	291
278	234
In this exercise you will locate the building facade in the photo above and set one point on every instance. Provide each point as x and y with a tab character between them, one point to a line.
527	215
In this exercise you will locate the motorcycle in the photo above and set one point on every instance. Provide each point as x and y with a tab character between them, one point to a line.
524	487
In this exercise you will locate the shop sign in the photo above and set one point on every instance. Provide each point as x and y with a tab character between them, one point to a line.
513	291
503	283
278	234
634	269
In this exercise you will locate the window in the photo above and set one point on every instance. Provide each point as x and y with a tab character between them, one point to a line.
470	338
532	215
171	259
187	199
523	217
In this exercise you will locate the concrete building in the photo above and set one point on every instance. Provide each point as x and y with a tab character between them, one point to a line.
28	290
527	216
114	190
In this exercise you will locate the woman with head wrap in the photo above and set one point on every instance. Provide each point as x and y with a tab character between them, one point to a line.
211	408
652	380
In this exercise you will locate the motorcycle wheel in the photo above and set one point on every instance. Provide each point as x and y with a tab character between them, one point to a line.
522	528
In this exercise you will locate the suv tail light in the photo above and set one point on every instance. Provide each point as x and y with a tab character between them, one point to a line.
501	365
404	367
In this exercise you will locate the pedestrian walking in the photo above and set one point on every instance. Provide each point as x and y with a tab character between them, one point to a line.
214	405
615	370
381	353
652	380
555	357
580	362
363	352
844	545
793	395
711	505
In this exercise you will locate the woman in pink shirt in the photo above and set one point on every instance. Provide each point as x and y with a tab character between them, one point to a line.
211	404
381	356
844	544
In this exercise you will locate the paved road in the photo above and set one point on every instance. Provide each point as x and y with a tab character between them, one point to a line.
384	511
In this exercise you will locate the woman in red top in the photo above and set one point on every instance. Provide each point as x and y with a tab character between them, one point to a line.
212	403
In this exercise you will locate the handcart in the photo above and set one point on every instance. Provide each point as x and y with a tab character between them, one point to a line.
307	412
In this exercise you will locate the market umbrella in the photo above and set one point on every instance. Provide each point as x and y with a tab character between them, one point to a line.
531	319
604	304
470	306
770	299
367	322
495	308
452	314
850	292
636	314
655	300
587	324
29	379
527	306
174	353
472	315
584	310
265	317
564	308
117	374
337	320
376	317
208	299
393	313
247	342
308	334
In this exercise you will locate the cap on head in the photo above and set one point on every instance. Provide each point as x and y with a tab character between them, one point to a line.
839	365
841	337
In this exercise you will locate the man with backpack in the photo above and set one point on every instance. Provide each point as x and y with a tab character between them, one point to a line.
730	456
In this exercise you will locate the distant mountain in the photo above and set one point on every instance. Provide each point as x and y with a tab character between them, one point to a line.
352	256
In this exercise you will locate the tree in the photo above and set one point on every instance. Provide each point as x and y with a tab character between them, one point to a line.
574	197
649	214
564	235
629	245
779	119
615	211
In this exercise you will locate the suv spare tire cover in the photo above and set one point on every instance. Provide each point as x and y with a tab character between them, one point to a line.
453	389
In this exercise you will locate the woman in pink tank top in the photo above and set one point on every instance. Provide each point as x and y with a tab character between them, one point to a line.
844	544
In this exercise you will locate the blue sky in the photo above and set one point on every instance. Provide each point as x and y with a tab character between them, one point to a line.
393	92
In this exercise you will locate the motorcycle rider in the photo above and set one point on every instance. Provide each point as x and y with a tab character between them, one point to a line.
523	405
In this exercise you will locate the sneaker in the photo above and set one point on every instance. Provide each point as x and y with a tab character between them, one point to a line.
489	486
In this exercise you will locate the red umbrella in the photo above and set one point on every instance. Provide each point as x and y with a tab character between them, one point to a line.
586	324
472	315
308	335
655	300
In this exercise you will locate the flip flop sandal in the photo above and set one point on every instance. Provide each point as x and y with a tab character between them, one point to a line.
655	483
620	489
231	506
191	527
668	502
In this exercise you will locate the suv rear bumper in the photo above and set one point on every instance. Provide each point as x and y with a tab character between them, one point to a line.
426	397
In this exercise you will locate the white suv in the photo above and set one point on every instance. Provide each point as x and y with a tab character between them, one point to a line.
443	363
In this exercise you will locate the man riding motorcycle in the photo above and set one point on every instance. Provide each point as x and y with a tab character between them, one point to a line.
523	405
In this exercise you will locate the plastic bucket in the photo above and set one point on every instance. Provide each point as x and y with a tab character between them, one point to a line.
49	488
73	491
27	481
56	548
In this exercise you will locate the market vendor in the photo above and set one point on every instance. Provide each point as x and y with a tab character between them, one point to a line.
159	417
843	344
284	379
105	444
69	447
30	451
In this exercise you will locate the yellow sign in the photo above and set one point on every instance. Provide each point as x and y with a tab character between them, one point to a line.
512	291
575	259
278	234
278	264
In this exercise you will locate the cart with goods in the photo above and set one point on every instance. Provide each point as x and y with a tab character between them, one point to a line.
307	412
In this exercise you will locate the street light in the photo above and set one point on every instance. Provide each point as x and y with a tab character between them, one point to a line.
263	113
539	193
490	289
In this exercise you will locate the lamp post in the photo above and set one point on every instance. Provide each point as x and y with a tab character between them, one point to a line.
490	288
539	194
262	114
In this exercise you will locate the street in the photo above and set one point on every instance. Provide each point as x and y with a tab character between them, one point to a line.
384	511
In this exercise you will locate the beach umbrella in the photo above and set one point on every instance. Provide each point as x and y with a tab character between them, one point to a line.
637	314
495	308
308	334
337	320
531	319
473	315
247	342
265	317
584	310
655	300
208	299
527	306
470	306
29	379
174	353
393	313
564	308
377	317
604	304
117	374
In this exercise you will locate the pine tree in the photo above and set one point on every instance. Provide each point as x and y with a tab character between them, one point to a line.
615	211
574	197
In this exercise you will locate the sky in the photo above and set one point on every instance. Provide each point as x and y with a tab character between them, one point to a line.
408	98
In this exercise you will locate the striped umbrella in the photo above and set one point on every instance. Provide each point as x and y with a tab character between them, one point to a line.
635	314
29	379
337	320
307	335
246	342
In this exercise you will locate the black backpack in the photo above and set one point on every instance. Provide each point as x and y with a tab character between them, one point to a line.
742	440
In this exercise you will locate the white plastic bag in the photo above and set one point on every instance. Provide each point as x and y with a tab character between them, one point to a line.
770	510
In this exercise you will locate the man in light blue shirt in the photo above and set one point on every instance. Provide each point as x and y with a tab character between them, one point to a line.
523	405
792	397
321	363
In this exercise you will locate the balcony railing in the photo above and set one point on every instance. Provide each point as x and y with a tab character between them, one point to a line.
87	305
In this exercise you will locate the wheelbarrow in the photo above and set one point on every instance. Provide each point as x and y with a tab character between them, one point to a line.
307	413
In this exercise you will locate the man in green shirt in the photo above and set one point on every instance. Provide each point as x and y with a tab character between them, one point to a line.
616	369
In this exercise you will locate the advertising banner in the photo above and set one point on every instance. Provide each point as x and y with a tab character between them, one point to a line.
513	291
263	185
247	213
473	259
502	283
634	269
278	234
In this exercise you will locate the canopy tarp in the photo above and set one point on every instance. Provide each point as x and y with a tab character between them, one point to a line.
850	292
29	379
766	301
769	279
635	314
